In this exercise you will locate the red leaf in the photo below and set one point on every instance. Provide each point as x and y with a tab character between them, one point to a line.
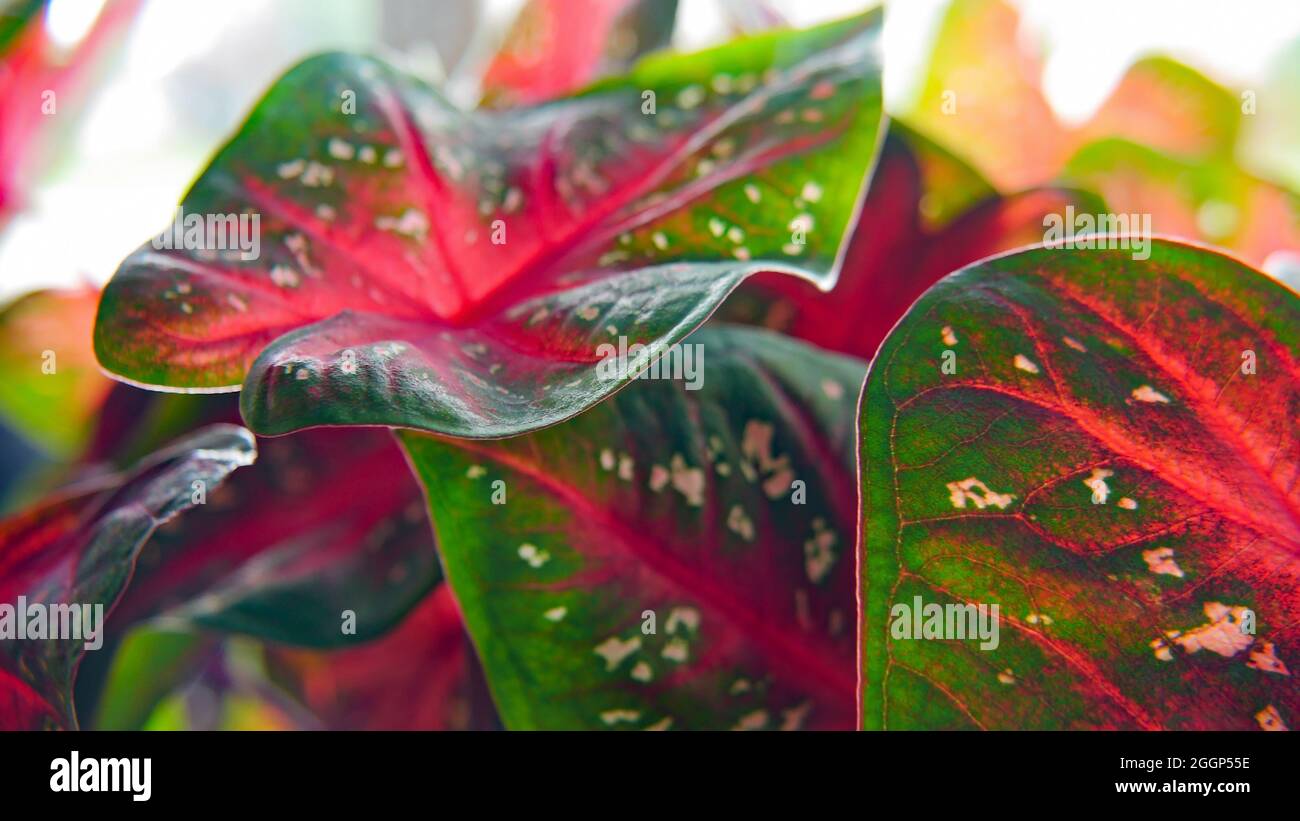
327	520
81	549
423	675
557	46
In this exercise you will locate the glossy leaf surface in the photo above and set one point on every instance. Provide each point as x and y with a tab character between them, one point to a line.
81	548
380	296
671	559
327	521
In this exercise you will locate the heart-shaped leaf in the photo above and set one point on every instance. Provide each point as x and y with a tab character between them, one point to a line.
557	46
1105	449
671	558
894	257
460	272
80	549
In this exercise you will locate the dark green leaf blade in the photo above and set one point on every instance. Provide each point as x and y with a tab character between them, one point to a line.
719	517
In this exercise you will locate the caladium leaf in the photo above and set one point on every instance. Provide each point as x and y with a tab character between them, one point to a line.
894	257
327	546
949	187
323	543
1104	448
131	422
557	46
378	255
672	558
80	549
422	675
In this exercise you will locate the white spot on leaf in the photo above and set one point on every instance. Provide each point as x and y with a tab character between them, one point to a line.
1146	393
612	717
1161	562
535	558
687	617
756	720
1096	482
614	650
1025	364
677	650
974	490
1221	634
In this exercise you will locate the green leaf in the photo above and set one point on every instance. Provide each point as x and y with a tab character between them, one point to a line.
672	558
380	297
147	666
1111	460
